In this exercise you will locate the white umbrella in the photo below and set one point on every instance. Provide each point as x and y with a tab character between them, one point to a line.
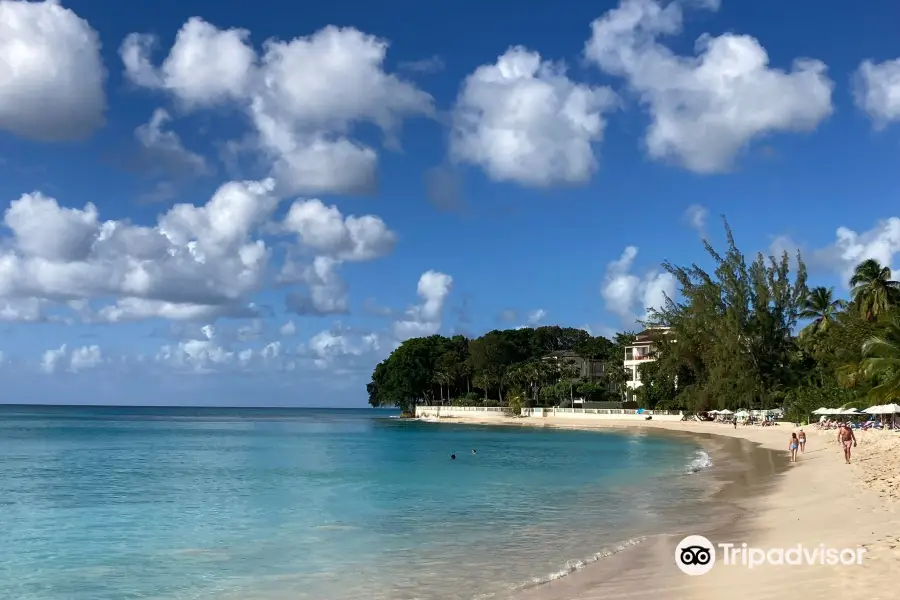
713	412
884	409
821	411
728	412
742	413
849	411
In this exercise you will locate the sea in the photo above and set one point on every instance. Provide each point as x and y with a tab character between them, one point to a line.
110	503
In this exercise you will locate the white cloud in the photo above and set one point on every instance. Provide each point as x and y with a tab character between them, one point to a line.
84	358
343	354
165	151
52	358
202	354
52	75
425	318
523	120
326	294
80	359
288	329
304	96
704	110
695	216
27	310
629	296
536	316
877	90
335	239
325	230
197	262
850	248
205	66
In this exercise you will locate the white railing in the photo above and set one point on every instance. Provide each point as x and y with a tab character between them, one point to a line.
582	411
471	408
609	411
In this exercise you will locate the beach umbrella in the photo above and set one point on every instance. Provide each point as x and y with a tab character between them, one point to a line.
713	412
884	409
849	411
821	411
742	413
728	412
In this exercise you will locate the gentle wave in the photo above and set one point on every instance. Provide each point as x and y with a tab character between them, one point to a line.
577	565
701	461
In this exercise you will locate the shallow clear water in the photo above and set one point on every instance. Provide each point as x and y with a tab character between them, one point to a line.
114	503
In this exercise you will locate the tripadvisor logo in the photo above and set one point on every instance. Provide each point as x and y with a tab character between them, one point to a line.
696	555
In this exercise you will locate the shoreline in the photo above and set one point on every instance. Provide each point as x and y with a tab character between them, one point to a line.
817	501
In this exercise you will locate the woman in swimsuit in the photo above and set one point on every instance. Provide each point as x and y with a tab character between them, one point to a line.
793	447
801	437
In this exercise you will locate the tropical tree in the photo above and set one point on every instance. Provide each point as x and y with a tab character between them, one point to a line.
822	307
882	362
874	292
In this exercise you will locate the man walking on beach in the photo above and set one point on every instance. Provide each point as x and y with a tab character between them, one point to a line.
846	438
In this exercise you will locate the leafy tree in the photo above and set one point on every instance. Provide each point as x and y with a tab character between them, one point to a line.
729	342
882	362
822	307
874	292
733	329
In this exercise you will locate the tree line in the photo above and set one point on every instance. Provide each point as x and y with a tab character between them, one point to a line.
531	366
734	341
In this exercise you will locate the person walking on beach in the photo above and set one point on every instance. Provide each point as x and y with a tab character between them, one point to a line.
846	438
793	447
801	437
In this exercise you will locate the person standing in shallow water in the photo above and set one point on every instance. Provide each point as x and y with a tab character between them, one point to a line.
793	447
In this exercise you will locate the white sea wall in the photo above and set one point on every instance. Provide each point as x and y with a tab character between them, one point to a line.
482	413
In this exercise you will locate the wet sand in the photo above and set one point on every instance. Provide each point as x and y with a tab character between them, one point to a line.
768	504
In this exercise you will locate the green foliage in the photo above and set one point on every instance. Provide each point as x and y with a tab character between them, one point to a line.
730	343
534	363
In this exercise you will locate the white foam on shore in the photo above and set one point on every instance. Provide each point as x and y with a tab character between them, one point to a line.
701	461
577	565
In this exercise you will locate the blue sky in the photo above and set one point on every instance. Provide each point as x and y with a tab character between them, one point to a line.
208	204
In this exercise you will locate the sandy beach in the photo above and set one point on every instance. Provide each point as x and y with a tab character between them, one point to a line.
816	502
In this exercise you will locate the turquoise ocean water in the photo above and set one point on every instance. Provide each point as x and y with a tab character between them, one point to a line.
278	504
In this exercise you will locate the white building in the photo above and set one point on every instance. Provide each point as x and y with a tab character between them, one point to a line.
643	350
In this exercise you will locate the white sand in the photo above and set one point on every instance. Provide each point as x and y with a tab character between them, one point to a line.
819	500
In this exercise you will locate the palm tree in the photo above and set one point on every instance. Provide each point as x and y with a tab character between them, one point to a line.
822	308
882	361
874	292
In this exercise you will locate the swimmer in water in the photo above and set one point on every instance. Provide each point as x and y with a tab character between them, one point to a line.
452	457
473	452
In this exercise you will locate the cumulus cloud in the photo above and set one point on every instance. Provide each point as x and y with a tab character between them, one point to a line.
877	91
196	262
881	242
163	151
425	318
288	329
80	359
52	75
705	109
696	216
523	120
303	96
630	296
343	352
334	239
